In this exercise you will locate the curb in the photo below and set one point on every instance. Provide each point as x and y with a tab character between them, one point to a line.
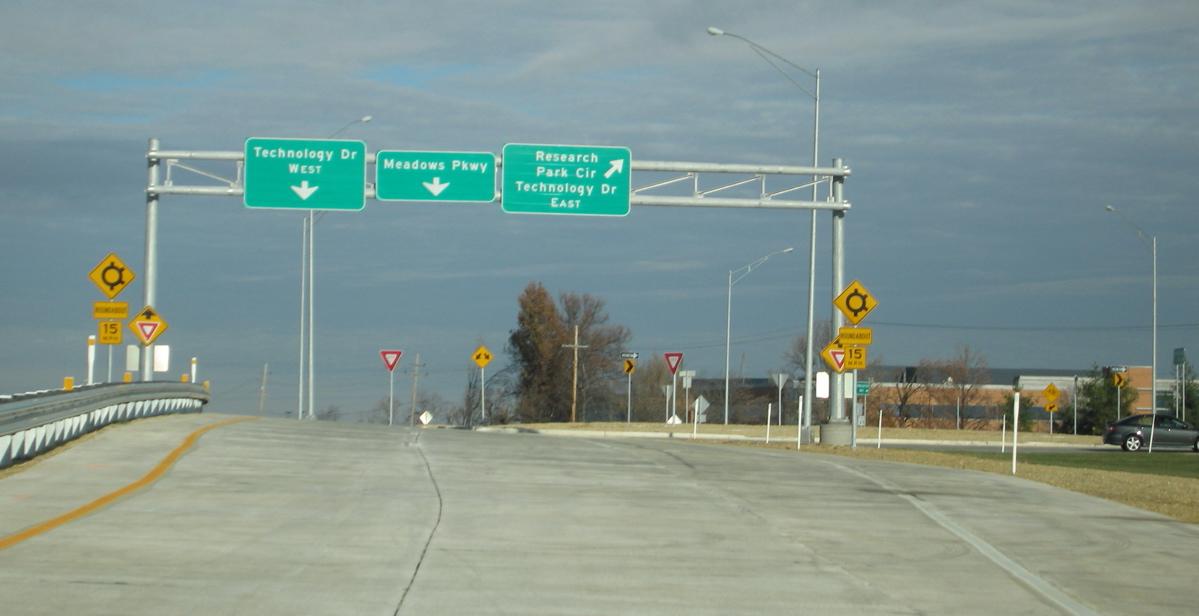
740	437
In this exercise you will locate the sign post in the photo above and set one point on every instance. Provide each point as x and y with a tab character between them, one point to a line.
391	358
1180	366
674	359
853	303
701	406
687	376
1119	379
482	357
111	276
780	379
1051	394
630	366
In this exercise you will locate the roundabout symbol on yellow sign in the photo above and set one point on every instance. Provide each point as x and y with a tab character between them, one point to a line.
855	302
111	275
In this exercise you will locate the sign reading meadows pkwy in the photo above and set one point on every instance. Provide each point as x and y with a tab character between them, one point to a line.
305	174
566	179
403	175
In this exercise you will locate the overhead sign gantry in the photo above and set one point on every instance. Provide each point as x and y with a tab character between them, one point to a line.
331	174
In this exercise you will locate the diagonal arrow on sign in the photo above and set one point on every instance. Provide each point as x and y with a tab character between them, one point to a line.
304	190
614	166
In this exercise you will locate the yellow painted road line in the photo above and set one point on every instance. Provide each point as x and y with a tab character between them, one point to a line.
112	497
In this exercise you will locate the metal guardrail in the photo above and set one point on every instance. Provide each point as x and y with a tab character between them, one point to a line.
33	423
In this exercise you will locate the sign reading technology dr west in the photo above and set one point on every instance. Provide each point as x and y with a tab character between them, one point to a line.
305	174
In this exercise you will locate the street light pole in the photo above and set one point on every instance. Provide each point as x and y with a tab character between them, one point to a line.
1152	241
728	331
309	242
815	96
957	409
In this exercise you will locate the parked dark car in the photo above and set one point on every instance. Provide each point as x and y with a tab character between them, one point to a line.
1132	433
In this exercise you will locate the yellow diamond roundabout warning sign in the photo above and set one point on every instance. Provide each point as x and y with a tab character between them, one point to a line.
111	275
855	302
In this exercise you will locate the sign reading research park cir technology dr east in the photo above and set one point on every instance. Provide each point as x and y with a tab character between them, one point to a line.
305	174
566	179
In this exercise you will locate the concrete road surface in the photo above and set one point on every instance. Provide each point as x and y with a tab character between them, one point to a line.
284	517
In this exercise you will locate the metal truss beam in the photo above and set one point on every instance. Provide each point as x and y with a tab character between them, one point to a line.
696	174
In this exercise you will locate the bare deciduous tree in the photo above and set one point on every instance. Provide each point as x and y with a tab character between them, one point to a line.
796	355
545	368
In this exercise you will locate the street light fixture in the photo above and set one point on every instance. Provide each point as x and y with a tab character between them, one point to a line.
728	332
307	279
766	55
1151	240
957	413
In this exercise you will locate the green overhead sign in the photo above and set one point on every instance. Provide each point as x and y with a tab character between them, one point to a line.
566	179
402	175
305	174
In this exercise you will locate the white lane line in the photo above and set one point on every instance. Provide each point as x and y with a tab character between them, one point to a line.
1030	579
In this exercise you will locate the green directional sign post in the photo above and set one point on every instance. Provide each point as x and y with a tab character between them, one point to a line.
305	174
402	175
566	179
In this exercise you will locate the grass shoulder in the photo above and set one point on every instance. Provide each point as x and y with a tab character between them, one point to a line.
1162	482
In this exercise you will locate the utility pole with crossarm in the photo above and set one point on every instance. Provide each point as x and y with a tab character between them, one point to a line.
574	388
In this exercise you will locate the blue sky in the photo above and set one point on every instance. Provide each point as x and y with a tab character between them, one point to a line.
984	137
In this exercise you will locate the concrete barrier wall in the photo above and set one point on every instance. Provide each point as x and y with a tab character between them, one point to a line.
33	428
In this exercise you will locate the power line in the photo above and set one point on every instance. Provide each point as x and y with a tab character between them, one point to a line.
1037	328
781	333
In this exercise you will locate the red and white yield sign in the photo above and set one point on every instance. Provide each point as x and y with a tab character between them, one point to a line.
673	360
390	358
